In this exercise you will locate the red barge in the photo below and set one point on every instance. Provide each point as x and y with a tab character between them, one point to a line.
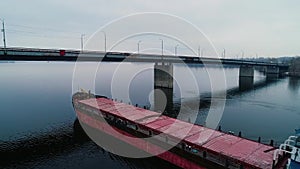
198	147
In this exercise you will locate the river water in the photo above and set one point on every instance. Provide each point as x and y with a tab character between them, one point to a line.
37	118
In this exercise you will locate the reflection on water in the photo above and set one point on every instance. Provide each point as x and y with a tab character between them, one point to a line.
294	84
68	147
37	128
272	77
37	145
269	111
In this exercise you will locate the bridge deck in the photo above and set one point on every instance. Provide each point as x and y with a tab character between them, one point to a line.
32	54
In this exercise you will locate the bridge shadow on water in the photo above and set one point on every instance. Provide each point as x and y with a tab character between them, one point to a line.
294	84
246	85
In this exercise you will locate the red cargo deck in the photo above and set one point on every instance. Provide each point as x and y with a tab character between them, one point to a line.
249	153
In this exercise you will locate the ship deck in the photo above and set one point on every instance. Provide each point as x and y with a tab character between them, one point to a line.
245	151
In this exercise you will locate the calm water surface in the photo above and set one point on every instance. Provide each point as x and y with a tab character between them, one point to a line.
37	117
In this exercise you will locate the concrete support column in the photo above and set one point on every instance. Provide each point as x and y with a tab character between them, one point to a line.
246	77
272	72
246	71
163	101
163	88
246	83
163	75
283	70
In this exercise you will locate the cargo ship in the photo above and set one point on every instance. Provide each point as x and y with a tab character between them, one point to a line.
195	146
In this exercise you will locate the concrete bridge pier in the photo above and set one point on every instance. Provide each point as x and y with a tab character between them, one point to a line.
163	88
163	75
272	72
246	77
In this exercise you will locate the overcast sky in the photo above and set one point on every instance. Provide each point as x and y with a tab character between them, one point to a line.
265	28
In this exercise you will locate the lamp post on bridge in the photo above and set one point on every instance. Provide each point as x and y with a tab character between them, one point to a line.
162	47
104	33
242	55
81	40
4	38
138	46
175	50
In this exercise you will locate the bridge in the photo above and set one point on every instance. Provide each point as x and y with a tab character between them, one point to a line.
162	62
35	54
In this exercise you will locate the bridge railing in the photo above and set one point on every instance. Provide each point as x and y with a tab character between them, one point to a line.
186	58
